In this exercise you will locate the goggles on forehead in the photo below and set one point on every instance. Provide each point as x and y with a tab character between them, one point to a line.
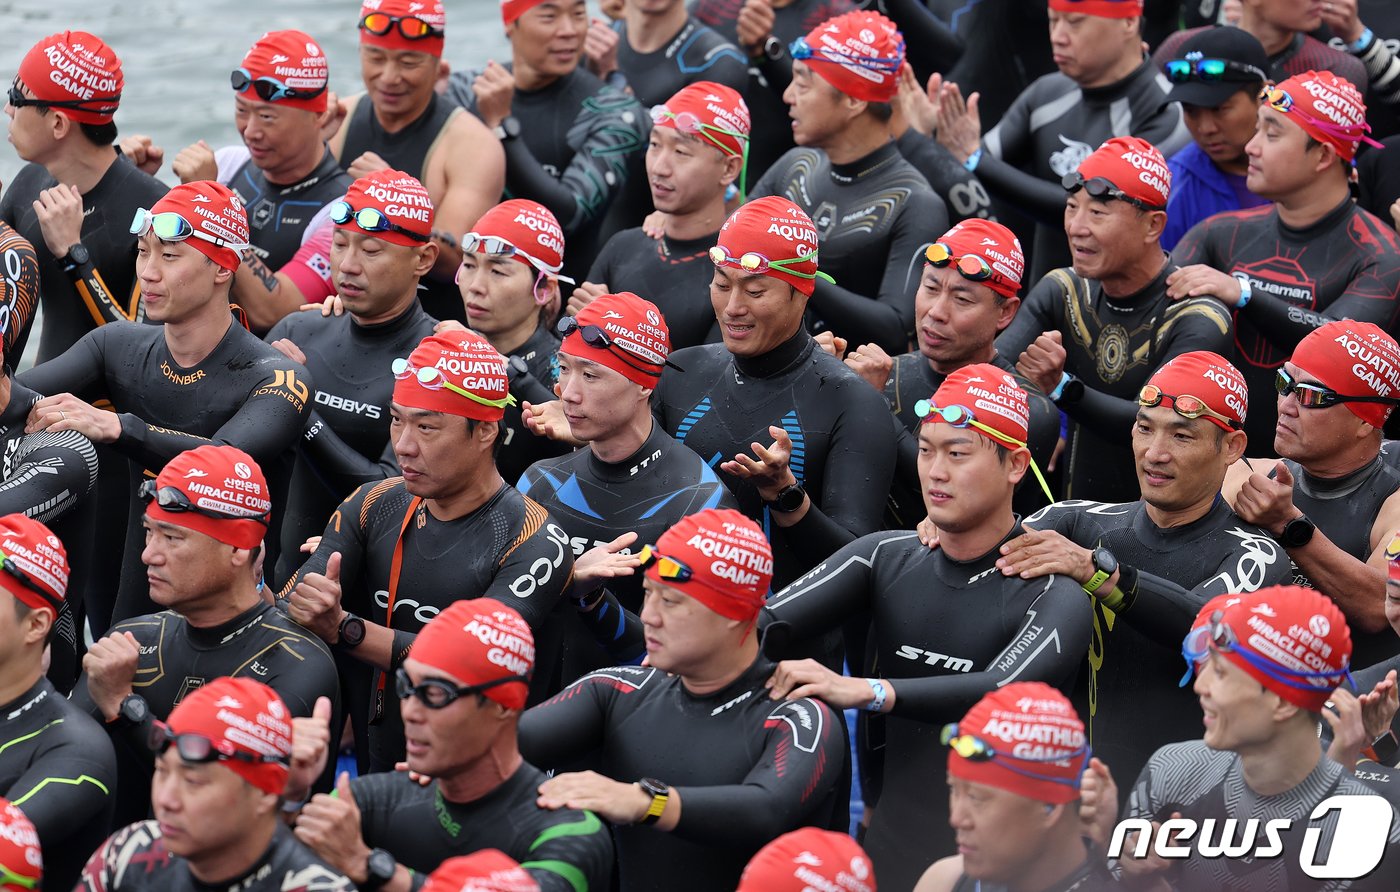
972	267
9	566
1317	396
963	417
438	693
1282	101
1102	190
169	226
756	263
975	749
17	99
432	378
595	337
1186	406
269	89
176	501
411	27
668	568
198	749
802	51
689	122
1218	635
370	220
494	245
1210	71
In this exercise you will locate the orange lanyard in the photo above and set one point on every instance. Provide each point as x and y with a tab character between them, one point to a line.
395	568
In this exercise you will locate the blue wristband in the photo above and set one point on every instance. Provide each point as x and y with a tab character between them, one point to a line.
1059	388
1246	289
1363	41
973	160
877	690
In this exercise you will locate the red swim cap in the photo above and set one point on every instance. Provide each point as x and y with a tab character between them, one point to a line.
1354	359
414	16
223	479
75	66
477	641
775	229
294	59
35	551
214	210
1210	378
401	198
1104	9
463	361
531	229
729	560
1032	743
993	396
19	849
996	245
1328	108
1133	165
636	329
809	859
242	716
859	53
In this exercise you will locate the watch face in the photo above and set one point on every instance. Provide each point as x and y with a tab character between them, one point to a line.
78	254
381	866
134	709
352	631
1104	561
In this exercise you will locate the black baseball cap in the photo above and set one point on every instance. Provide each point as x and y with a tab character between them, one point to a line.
1247	64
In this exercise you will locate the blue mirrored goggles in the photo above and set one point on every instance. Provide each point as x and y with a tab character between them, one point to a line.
269	89
1217	635
803	51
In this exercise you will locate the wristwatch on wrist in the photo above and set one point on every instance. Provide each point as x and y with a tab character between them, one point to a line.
379	869
507	129
1105	565
773	48
352	631
1297	532
132	711
660	794
77	256
789	499
1069	390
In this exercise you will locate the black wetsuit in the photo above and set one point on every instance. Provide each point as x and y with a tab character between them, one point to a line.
597	501
946	632
566	850
1053	126
1200	782
1005	49
675	275
746	769
278	215
57	766
107	290
579	141
964	196
349	427
261	643
913	379
19	290
1113	345
873	217
842	439
1345	509
244	394
534	367
1344	266
509	549
1091	876
1129	697
695	53
407	150
135	859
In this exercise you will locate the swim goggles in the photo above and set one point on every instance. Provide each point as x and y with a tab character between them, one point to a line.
1316	396
476	243
410	26
595	337
269	89
689	122
198	749
802	51
668	568
370	220
975	749
1282	101
1210	71
17	99
176	501
754	262
1101	189
438	693
432	378
962	417
971	266
1218	635
1186	406
169	226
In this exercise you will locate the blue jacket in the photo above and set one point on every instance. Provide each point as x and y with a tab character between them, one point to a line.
1199	190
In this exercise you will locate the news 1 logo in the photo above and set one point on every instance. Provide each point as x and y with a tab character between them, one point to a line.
1358	842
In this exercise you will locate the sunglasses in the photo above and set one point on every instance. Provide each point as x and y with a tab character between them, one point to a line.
754	262
962	417
174	500
17	99
1181	71
198	749
1316	396
18	573
972	267
269	89
595	337
1186	406
370	220
10	878
802	51
975	749
1219	636
668	568
432	378
410	26
435	693
171	227
1102	190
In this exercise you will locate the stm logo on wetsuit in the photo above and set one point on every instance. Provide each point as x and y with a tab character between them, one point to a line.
933	658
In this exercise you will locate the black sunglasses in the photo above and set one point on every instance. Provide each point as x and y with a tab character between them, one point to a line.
17	99
595	337
1102	190
435	693
198	749
269	89
175	501
1316	396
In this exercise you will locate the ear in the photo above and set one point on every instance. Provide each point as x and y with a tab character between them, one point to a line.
222	276
1017	465
1007	312
37	623
1156	223
426	259
1235	444
733	165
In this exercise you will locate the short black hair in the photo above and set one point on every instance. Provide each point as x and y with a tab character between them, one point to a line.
97	134
882	111
500	435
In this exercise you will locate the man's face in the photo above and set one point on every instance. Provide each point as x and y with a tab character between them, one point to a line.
548	39
816	108
756	313
1280	162
1180	462
1085	47
964	481
278	137
998	832
1224	131
957	319
1289	15
30	129
1237	710
203	809
372	275
681	633
1308	435
176	280
498	292
1105	237
685	171
439	456
184	568
598	402
453	740
398	81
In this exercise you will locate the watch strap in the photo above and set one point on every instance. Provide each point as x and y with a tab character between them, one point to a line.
1246	289
1096	581
660	795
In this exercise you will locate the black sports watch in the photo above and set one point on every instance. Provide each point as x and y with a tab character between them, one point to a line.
789	499
133	711
77	256
509	128
352	632
379	869
660	793
1071	392
1105	565
1297	532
